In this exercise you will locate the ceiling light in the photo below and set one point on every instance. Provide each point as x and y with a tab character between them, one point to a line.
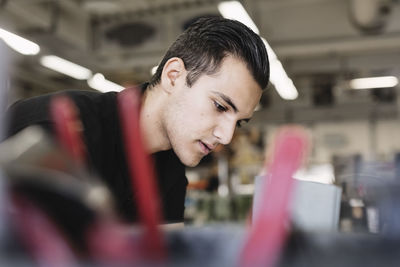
19	44
235	10
374	82
282	83
153	70
278	77
98	82
66	67
270	52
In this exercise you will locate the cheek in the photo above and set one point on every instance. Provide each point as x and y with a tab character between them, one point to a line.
194	116
194	120
185	119
203	115
196	113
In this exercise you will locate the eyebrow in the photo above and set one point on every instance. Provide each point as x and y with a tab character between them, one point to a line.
227	100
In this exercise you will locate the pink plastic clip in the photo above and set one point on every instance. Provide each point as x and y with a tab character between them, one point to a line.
269	230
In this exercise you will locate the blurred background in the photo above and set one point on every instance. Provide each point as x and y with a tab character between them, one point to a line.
318	49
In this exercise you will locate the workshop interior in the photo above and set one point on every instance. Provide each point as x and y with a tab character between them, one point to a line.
312	180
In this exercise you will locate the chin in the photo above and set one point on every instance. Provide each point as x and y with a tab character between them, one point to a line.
190	161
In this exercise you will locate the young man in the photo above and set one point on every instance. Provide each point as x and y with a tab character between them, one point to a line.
207	84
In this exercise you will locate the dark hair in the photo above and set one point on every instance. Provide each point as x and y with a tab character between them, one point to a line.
205	43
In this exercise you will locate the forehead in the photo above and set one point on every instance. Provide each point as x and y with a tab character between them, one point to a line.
234	80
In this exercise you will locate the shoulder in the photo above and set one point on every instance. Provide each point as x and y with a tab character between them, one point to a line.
84	98
75	95
86	101
35	110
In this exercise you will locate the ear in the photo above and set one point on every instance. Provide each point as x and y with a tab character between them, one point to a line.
174	73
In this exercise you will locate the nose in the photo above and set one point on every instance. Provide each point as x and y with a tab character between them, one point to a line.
224	131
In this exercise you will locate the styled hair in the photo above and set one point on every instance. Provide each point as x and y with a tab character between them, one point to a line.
205	43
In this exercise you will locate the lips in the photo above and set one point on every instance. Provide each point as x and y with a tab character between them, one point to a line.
206	148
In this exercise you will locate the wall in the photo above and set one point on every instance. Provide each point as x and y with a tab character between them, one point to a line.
372	140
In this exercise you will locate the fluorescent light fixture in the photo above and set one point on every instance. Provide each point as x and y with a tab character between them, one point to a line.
66	67
153	70
271	54
19	44
278	77
282	83
374	82
100	83
235	10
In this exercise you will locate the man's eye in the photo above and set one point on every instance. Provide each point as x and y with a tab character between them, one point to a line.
239	124
220	107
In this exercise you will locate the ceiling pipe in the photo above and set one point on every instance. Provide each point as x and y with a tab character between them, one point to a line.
342	46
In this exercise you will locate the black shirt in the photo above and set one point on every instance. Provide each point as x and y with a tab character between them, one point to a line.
102	135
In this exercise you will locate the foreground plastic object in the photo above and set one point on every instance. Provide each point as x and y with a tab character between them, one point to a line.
68	127
40	235
142	174
268	232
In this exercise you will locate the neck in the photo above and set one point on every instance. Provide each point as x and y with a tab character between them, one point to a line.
151	121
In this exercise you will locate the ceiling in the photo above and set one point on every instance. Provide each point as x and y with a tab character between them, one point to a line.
321	44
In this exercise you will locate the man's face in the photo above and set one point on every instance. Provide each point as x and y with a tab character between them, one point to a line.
200	117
